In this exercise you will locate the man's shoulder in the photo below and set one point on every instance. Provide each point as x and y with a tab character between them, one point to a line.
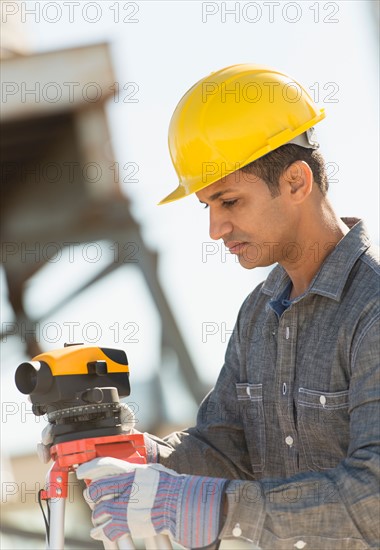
371	258
362	285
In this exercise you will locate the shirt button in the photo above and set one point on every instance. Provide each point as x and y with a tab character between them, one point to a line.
248	390
289	440
300	544
322	400
236	531
284	389
287	333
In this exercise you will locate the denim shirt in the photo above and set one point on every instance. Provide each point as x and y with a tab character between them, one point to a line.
294	417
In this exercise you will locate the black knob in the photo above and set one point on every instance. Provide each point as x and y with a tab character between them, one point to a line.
94	395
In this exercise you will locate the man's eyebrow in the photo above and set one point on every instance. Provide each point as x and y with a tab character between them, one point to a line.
217	195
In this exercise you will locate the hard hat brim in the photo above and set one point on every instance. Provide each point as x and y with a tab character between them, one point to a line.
178	193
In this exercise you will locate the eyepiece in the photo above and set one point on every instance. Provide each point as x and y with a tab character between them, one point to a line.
33	376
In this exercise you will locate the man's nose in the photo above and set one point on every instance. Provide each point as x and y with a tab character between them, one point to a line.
219	226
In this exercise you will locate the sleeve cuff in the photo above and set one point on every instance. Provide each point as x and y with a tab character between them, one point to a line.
151	448
246	511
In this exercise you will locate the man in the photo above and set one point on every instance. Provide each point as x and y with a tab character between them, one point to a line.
285	449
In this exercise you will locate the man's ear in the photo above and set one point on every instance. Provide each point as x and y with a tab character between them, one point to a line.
297	181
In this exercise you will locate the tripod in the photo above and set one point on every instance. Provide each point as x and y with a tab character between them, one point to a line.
69	454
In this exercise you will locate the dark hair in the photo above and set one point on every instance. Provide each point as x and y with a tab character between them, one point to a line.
271	166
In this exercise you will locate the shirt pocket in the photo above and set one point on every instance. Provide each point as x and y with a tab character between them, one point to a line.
250	400
323	425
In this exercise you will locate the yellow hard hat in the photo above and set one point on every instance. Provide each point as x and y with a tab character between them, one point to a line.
233	117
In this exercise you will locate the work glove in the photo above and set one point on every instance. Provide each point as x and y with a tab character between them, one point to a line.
145	500
127	418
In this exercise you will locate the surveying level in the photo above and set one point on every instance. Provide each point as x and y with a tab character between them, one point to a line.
78	388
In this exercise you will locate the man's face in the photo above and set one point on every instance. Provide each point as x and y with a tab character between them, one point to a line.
254	225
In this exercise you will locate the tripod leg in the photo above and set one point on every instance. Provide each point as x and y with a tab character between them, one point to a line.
57	524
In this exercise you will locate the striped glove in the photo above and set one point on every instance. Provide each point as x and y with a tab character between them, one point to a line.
149	499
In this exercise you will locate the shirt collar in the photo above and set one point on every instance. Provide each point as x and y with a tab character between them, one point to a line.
333	274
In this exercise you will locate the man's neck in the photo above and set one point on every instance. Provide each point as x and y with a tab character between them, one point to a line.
321	233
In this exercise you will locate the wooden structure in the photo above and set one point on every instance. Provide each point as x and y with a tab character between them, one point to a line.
58	185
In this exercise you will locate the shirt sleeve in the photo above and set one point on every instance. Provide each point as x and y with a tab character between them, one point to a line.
335	509
216	446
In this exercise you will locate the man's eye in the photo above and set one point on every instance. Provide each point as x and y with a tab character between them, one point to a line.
229	204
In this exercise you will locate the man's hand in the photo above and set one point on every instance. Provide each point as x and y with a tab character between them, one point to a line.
127	419
149	499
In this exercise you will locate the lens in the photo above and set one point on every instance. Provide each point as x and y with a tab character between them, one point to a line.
26	376
34	377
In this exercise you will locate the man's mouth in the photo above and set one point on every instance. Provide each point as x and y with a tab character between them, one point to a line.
235	247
